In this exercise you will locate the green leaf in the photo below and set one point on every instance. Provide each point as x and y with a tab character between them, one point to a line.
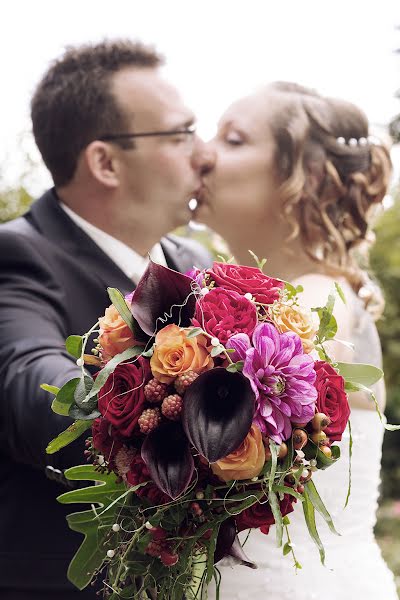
120	304
327	322
274	462
319	506
74	344
311	450
77	413
65	398
194	331
92	551
340	292
309	515
110	368
212	542
216	351
148	353
81	391
234	367
356	373
350	457
287	548
50	388
284	489
276	511
69	435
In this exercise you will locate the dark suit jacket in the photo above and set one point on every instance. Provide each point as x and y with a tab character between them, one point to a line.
53	281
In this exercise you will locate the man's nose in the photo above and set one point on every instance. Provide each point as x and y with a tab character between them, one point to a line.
203	157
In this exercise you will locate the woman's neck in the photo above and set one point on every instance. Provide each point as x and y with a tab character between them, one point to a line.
285	260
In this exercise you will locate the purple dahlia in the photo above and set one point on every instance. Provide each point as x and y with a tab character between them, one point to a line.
281	376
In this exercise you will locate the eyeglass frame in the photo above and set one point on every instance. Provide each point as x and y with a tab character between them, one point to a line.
125	136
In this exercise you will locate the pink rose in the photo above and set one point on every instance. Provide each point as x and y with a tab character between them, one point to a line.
246	280
332	399
122	399
222	313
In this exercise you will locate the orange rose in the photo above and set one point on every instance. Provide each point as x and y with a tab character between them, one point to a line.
246	462
175	354
115	335
297	319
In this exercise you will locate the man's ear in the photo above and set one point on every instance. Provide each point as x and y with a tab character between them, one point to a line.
101	162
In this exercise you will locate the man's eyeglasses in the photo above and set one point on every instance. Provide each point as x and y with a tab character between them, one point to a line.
189	131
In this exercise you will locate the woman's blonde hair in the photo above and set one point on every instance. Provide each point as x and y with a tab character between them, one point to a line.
328	188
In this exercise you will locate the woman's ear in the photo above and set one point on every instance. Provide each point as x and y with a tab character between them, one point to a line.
101	163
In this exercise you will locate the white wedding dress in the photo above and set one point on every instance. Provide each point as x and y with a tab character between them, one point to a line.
355	569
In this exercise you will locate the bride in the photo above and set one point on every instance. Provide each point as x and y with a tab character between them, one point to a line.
294	177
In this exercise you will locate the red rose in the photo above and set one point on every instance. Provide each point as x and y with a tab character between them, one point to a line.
246	279
105	441
332	399
122	399
138	473
222	313
260	515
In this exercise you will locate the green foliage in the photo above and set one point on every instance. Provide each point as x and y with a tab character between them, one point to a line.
385	263
13	203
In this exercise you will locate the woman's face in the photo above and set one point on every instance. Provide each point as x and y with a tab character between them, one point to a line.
240	187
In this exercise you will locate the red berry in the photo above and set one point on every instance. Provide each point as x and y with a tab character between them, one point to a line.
168	559
172	407
149	420
155	391
183	381
158	533
154	548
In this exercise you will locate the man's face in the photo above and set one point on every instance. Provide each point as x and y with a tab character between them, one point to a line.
160	174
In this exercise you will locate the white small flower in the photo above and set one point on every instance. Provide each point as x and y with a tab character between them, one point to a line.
110	553
300	453
116	527
248	296
204	291
291	545
100	460
313	462
80	362
148	525
305	473
254	479
215	342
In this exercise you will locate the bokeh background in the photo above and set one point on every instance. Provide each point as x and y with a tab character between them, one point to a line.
217	50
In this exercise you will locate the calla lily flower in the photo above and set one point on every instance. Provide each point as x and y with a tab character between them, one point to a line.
163	296
228	544
218	412
166	453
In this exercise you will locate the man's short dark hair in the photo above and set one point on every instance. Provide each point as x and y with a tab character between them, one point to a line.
73	103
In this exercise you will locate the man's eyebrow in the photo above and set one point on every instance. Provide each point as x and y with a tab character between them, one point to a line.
188	123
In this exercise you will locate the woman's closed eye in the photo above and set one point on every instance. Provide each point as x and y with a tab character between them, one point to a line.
233	138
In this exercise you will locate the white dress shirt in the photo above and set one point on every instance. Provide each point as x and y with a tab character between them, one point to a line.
129	261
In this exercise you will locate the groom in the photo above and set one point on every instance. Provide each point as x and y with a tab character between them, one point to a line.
121	149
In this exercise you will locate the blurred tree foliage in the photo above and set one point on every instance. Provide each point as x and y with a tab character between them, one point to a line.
13	203
385	263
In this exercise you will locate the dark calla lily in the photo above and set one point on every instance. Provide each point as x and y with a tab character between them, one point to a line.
163	296
228	544
218	412
167	456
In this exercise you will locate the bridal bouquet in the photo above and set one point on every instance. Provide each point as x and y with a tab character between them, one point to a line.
212	404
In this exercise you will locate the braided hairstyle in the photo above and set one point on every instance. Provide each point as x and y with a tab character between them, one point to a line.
329	189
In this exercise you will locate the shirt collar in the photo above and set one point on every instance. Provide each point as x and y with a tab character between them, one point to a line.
129	261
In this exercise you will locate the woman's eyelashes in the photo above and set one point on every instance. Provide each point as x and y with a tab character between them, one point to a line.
233	138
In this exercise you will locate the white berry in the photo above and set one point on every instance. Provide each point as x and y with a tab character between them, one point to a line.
204	291
248	296
80	362
116	527
110	553
214	342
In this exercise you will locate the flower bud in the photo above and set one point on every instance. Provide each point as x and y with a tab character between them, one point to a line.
327	451
299	438
320	421
318	437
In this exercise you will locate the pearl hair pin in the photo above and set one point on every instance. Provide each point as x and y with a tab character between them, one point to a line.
362	141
